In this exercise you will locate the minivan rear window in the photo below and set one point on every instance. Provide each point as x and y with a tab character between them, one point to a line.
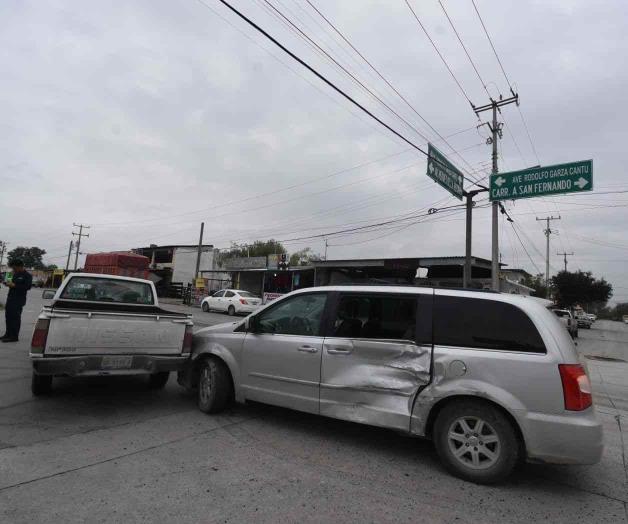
485	324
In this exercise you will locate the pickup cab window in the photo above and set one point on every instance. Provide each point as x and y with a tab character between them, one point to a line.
108	290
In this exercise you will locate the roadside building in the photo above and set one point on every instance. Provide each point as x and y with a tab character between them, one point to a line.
264	276
174	266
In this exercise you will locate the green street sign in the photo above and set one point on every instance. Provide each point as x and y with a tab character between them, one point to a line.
573	177
444	172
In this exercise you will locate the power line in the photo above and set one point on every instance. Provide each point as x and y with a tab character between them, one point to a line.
260	195
525	125
525	162
388	83
524	248
492	46
465	49
464	93
325	79
343	68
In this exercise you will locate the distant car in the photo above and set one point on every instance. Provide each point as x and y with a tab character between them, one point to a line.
231	301
592	317
625	319
583	320
569	322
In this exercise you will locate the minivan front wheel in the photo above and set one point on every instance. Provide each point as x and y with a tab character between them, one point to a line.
214	386
476	442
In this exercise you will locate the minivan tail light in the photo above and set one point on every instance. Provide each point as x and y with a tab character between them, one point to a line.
187	340
40	335
576	387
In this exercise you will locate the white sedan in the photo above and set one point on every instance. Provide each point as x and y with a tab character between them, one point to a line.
232	301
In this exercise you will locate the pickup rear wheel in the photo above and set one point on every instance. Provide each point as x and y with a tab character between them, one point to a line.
214	386
41	384
158	380
476	442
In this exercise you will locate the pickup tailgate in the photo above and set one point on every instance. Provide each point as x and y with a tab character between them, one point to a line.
97	333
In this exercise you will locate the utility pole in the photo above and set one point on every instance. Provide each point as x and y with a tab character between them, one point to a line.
3	248
467	273
67	264
200	250
548	232
80	235
565	255
326	244
496	131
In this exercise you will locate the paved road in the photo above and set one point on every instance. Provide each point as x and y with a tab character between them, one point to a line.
110	450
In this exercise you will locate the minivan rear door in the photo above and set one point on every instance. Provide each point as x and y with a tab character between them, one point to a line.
376	357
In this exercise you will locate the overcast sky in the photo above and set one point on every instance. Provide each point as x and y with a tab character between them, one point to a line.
143	118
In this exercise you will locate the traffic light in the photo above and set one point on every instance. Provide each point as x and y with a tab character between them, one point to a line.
283	262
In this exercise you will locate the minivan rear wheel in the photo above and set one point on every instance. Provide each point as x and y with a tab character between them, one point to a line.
476	442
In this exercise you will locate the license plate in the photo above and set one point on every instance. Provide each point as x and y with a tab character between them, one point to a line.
116	362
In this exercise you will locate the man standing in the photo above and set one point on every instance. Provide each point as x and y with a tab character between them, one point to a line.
19	285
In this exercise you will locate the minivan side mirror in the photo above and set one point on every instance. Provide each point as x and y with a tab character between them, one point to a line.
48	294
250	324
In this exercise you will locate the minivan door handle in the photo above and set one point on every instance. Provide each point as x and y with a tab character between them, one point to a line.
340	348
307	349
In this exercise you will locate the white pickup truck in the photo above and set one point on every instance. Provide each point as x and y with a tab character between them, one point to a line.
107	325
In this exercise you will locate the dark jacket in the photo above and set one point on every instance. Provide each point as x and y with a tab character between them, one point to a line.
23	282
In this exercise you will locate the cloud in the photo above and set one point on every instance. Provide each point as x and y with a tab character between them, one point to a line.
160	115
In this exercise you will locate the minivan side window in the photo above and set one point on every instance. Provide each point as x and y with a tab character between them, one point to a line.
299	315
485	324
376	316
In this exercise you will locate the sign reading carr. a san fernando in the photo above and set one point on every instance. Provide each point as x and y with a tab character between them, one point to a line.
541	181
444	172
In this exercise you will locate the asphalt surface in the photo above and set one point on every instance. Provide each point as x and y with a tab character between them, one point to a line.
110	450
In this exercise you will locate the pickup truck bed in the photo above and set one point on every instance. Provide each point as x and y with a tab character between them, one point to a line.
79	337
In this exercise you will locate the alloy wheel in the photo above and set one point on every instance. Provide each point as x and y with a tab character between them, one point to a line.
474	442
205	386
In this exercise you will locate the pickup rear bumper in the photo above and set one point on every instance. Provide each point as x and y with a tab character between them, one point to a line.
94	365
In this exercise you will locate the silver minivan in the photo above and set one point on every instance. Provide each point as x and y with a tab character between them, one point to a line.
491	378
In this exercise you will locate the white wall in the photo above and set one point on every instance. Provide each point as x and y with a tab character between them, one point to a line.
184	263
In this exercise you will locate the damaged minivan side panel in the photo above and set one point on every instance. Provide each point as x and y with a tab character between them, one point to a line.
497	370
376	357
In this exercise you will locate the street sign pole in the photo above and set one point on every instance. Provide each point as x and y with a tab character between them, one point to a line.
466	275
444	173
